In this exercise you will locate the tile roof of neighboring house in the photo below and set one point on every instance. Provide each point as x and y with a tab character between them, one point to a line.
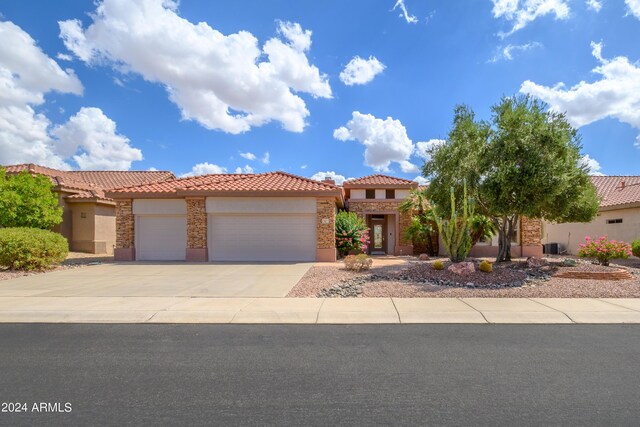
270	182
613	192
379	180
93	180
90	185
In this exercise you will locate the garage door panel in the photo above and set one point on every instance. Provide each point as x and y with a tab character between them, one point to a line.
161	238
262	237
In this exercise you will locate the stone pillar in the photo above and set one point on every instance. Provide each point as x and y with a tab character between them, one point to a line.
125	231
197	230
404	246
326	230
531	237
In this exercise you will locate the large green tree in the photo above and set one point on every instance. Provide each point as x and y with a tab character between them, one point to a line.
525	161
27	201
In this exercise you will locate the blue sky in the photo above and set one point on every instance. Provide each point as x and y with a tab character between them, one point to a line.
350	87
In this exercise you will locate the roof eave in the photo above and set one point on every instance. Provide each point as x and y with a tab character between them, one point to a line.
346	185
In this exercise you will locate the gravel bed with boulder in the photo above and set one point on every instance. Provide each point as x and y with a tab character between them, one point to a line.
74	260
521	278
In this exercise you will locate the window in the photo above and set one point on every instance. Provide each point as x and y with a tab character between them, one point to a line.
390	194
83	214
370	194
614	221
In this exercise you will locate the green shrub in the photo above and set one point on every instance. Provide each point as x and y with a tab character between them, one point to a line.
568	262
352	233
438	265
635	248
486	266
31	248
357	262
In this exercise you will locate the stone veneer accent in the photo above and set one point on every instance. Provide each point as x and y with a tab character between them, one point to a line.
125	228
530	232
371	206
326	233
196	223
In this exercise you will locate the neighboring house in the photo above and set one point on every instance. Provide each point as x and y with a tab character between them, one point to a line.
376	198
272	216
618	216
88	219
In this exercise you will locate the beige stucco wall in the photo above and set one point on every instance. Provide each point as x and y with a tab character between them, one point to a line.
96	232
570	235
105	228
65	228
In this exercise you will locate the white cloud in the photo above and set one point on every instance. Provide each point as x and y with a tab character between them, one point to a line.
152	169
204	169
303	167
248	156
634	7
245	169
521	13
615	95
90	138
385	141
594	5
266	159
64	57
224	82
411	19
361	71
421	180
408	167
592	164
423	148
320	176
509	51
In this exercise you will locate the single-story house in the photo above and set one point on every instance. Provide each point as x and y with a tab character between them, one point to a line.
274	216
618	216
89	217
271	216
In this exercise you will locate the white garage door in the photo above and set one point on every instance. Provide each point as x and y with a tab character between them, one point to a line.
161	237
262	237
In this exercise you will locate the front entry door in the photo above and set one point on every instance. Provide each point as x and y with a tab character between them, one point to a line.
378	236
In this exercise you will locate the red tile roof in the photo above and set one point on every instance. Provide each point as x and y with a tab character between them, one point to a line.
376	180
270	182
613	192
93	180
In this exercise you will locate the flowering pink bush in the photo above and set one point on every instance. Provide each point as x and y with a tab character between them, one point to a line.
604	250
352	233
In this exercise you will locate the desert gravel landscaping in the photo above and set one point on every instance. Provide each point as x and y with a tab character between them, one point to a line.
406	277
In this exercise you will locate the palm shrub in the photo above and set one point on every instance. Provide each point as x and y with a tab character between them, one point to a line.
603	250
352	233
456	230
31	248
423	231
482	228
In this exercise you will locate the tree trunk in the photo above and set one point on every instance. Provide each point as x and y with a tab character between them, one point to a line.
505	230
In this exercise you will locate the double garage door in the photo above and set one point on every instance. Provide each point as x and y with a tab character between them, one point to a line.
238	230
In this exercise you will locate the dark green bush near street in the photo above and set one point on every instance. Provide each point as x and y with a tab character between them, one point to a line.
31	248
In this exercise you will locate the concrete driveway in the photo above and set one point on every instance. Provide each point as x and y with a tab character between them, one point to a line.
162	280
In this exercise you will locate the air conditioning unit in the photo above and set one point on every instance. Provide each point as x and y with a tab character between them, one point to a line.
551	248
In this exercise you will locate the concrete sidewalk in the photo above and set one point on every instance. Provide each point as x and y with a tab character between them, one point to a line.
53	309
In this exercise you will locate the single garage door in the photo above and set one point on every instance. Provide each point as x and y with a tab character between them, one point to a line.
161	237
262	237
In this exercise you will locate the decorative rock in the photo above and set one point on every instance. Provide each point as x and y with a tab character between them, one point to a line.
533	262
423	257
462	268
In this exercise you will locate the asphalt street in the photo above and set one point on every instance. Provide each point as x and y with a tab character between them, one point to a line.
320	375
